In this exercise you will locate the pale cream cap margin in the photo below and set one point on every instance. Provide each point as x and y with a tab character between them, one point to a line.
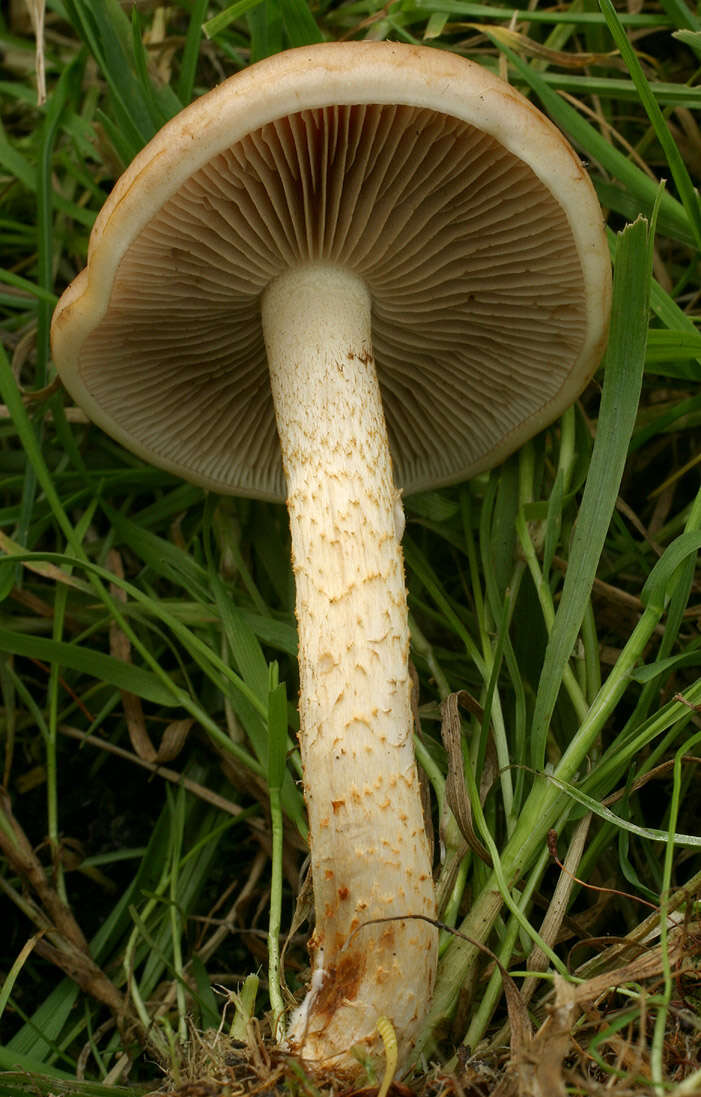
343	74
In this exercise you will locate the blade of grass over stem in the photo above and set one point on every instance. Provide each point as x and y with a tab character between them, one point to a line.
623	375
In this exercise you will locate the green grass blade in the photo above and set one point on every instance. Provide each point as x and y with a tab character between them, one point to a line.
681	15
161	101
266	27
208	1010
161	556
67	88
594	145
13	1060
103	667
220	22
690	38
468	10
300	27
687	193
43	1082
652	834
277	750
16	280
17	165
651	671
622	382
670	346
188	64
241	641
106	30
658	586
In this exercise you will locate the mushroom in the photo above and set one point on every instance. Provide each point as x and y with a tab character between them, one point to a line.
327	209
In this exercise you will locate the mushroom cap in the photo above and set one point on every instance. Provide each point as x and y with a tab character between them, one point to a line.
464	210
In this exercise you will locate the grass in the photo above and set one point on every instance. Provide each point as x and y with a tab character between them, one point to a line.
147	637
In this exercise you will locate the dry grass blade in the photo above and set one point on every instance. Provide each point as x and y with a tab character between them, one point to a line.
158	770
639	937
522	44
557	908
176	732
73	415
65	944
36	10
46	570
683	950
536	1069
456	793
120	648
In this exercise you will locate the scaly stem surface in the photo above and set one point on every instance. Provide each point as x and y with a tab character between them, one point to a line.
369	851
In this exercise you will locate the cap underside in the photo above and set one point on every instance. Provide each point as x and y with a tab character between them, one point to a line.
479	309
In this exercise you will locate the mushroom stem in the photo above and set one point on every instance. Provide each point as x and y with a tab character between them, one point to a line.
369	851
